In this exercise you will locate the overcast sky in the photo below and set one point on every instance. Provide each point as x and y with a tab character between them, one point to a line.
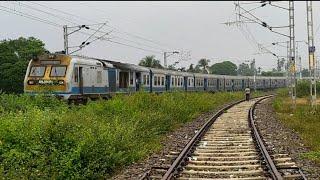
159	26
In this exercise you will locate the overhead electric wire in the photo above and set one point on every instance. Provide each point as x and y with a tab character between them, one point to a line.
45	12
89	20
138	43
26	15
159	52
261	22
96	30
130	34
251	38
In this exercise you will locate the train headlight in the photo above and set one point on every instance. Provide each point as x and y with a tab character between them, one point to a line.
31	82
61	82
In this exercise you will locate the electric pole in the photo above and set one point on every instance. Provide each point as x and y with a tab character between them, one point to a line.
287	67
167	54
65	38
311	49
254	74
292	54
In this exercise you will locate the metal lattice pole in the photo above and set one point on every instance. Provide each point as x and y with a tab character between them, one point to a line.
65	38
311	49
292	53
288	68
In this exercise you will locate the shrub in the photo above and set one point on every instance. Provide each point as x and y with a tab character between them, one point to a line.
43	138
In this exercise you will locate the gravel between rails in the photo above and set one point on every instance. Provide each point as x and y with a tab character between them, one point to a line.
283	139
174	142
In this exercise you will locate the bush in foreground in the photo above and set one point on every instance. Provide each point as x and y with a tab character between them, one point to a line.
44	138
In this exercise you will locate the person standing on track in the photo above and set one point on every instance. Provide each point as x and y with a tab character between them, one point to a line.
247	91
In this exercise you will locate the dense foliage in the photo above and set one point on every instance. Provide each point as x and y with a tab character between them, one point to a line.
224	68
304	120
14	57
46	139
150	61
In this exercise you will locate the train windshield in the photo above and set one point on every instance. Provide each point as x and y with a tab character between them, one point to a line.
37	71
58	71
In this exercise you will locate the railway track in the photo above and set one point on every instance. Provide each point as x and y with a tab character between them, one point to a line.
228	147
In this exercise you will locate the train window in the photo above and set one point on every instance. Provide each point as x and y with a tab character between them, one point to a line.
58	71
155	80
148	79
131	78
37	71
144	79
76	74
99	77
162	81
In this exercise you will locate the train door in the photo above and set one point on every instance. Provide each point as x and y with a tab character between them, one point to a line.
232	84
218	84
123	79
185	79
151	80
138	81
167	82
81	79
243	84
112	79
205	84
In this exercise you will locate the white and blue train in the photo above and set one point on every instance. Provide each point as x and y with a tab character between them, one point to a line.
75	77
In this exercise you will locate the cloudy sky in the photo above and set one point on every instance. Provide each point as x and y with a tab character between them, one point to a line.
146	28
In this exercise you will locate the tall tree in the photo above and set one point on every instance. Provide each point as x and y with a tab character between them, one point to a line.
245	70
191	68
14	57
150	61
224	68
204	63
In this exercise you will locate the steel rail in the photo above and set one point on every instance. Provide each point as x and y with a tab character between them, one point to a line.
273	170
175	165
182	156
191	143
272	167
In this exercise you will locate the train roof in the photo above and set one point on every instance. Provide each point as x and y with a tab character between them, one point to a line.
171	72
127	66
90	61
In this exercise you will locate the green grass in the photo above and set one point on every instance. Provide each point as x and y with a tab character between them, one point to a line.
44	138
304	120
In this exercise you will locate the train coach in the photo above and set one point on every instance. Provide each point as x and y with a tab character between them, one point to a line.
77	78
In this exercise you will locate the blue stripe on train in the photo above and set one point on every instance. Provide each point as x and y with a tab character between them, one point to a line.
90	90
